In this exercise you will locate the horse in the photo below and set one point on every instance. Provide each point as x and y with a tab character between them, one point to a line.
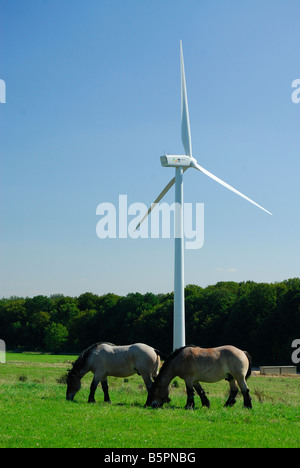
194	364
106	359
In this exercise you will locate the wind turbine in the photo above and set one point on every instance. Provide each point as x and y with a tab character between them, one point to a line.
181	163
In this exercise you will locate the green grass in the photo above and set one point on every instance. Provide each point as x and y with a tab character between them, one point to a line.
40	357
34	412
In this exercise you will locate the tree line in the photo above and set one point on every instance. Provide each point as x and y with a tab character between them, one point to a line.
261	318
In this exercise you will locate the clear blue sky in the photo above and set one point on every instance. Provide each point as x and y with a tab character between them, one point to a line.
93	101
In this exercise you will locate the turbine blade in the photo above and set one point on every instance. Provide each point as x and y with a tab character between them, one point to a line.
160	196
185	120
212	176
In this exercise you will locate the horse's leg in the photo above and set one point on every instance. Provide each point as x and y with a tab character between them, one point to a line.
93	389
148	383
247	399
104	385
233	392
204	400
190	403
245	391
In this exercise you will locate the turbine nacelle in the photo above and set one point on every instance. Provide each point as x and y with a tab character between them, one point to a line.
172	160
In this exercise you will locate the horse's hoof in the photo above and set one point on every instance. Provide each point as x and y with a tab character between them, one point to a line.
249	406
229	404
189	407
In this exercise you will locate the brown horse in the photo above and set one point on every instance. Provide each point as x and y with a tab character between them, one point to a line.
194	364
107	359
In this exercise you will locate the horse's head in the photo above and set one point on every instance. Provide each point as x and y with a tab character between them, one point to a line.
159	394
73	384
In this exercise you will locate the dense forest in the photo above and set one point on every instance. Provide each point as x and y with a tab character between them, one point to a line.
259	317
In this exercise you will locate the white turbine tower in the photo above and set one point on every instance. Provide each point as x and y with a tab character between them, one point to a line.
181	164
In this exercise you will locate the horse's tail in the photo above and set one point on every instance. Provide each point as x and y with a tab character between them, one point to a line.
157	364
155	371
250	364
160	354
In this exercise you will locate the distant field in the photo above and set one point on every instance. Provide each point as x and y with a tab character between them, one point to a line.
34	412
40	357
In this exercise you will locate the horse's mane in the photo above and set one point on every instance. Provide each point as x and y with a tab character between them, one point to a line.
169	359
82	358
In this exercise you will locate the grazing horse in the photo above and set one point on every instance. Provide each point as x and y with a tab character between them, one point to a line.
194	364
107	359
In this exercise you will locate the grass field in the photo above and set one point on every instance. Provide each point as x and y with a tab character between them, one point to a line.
35	413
